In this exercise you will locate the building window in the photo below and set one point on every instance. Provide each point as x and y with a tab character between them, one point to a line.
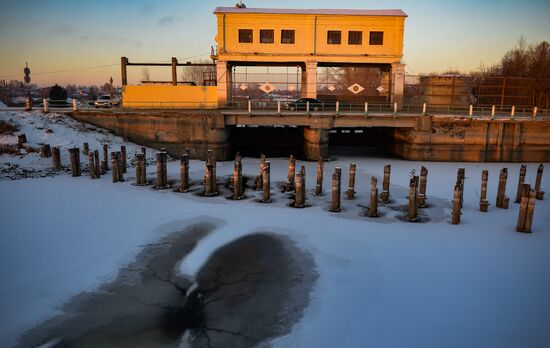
355	38
245	35
267	36
287	36
376	38
334	37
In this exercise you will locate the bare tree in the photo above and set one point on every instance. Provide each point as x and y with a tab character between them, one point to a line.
145	75
197	74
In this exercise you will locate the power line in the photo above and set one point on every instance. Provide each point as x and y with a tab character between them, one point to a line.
88	68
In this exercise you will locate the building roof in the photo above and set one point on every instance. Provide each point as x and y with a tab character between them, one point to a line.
344	12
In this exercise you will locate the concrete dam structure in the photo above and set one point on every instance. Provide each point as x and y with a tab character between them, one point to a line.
414	137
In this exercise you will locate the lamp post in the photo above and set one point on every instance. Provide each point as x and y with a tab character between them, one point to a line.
27	78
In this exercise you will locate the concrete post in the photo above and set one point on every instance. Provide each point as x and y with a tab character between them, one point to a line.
455	217
105	162
278	107
337	107
120	169
525	192
114	167
91	165
223	78
424	109
502	201
311	80
351	181
493	112
56	158
184	173
74	155
395	108
208	180
249	107
97	164
174	71
521	181
123	157
319	185
144	152
162	175
140	170
237	178
483	202
85	149
46	108
398	83
373	209
471	111
513	112
530	211
291	173
366	108
303	171
385	196
298	200
422	187
266	182
259	180
461	176
75	105
412	210
336	189
307	107
539	193
535	110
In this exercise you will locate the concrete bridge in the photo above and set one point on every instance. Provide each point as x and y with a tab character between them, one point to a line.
485	135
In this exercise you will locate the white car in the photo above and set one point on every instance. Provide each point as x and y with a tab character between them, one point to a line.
105	101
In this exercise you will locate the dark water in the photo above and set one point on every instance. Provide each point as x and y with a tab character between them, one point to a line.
250	290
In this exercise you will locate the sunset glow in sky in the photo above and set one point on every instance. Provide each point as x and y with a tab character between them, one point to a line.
85	39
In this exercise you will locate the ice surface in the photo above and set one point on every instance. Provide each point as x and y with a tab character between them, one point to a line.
382	282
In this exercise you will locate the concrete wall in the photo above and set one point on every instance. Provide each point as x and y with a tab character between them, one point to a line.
197	130
442	139
167	96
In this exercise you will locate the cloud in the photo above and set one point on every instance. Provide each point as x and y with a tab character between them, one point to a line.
167	20
63	30
147	9
134	43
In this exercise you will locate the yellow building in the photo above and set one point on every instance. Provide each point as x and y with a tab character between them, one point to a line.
310	39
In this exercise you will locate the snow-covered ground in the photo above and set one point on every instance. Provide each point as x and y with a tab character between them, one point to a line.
382	282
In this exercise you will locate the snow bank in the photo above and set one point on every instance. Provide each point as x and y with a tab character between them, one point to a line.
382	282
57	130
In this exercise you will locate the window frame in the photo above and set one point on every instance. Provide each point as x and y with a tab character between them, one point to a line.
293	41
373	42
360	37
242	33
263	31
339	32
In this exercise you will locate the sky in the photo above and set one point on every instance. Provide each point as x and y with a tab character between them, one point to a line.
82	41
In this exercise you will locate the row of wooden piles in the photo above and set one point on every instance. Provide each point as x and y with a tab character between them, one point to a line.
525	196
296	182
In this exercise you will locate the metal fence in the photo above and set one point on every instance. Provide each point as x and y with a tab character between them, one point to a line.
455	90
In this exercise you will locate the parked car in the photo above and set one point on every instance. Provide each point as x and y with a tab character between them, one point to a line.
105	101
301	104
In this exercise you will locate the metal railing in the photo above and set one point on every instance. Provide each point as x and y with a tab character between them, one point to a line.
270	107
